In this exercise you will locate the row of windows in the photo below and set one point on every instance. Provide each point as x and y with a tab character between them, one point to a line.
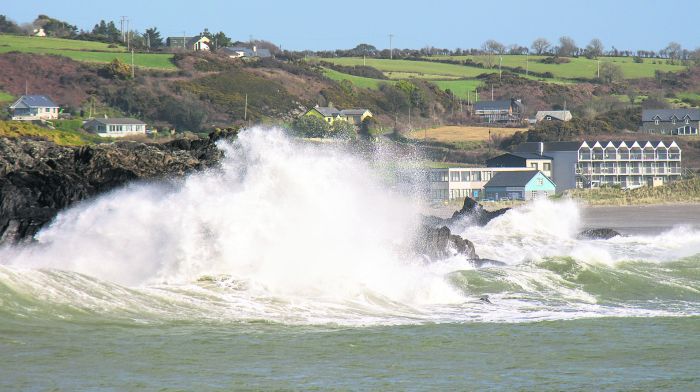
546	166
673	121
461	176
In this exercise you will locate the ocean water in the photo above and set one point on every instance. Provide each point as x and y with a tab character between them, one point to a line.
287	269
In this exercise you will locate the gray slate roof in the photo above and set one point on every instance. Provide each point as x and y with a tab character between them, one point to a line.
248	52
34	101
492	105
667	114
548	146
353	112
328	111
119	121
529	155
515	178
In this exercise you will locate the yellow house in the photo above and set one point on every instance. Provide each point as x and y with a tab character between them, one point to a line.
331	114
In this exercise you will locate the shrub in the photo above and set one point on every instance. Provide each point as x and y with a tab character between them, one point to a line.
311	126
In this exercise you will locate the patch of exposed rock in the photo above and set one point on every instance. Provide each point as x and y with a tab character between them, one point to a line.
39	178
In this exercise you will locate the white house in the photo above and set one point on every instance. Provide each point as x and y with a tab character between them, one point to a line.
116	127
34	107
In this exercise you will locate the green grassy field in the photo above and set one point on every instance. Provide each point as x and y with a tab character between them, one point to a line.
94	52
433	69
66	137
6	97
358	81
461	88
577	68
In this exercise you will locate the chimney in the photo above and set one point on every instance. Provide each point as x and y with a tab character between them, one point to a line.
541	148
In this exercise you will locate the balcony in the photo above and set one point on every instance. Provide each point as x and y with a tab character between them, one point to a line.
674	156
625	156
662	156
674	170
636	156
635	170
610	157
648	156
598	157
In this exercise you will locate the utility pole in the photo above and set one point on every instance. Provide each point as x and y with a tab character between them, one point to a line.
500	63
492	92
132	63
598	68
391	48
26	87
148	38
245	110
527	63
364	60
128	41
122	24
409	116
184	40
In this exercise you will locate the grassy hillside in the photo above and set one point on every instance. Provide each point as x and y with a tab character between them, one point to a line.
88	51
66	137
683	191
450	134
6	97
577	68
358	81
430	70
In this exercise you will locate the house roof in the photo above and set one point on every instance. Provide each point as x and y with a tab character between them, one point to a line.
563	115
529	155
353	112
493	105
194	40
547	146
119	121
667	114
514	178
248	52
34	101
327	111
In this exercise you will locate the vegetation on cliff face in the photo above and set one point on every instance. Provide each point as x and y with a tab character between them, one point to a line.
61	136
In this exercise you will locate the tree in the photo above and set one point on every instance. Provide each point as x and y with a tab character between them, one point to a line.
364	50
567	46
610	73
673	51
310	126
540	45
8	26
220	40
493	46
595	48
153	38
116	70
343	130
55	28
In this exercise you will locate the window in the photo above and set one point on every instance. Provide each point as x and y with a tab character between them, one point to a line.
454	176
673	121
656	121
540	181
687	120
534	165
466	176
547	166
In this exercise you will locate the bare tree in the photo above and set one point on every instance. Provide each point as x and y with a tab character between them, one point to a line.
595	48
610	73
673	50
540	45
567	46
493	47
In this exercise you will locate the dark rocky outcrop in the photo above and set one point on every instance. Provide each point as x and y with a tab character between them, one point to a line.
598	234
476	213
39	178
440	243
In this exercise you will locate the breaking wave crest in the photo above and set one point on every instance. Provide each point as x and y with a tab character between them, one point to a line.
296	233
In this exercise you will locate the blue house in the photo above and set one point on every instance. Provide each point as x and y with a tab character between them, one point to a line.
519	185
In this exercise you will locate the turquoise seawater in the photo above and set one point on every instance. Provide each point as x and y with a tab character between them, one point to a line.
590	354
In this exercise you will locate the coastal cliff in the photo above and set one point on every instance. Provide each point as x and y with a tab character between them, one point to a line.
39	178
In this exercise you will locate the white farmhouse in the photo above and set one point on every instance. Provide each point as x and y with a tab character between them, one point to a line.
116	127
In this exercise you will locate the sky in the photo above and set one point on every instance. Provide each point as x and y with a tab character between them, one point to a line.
319	25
